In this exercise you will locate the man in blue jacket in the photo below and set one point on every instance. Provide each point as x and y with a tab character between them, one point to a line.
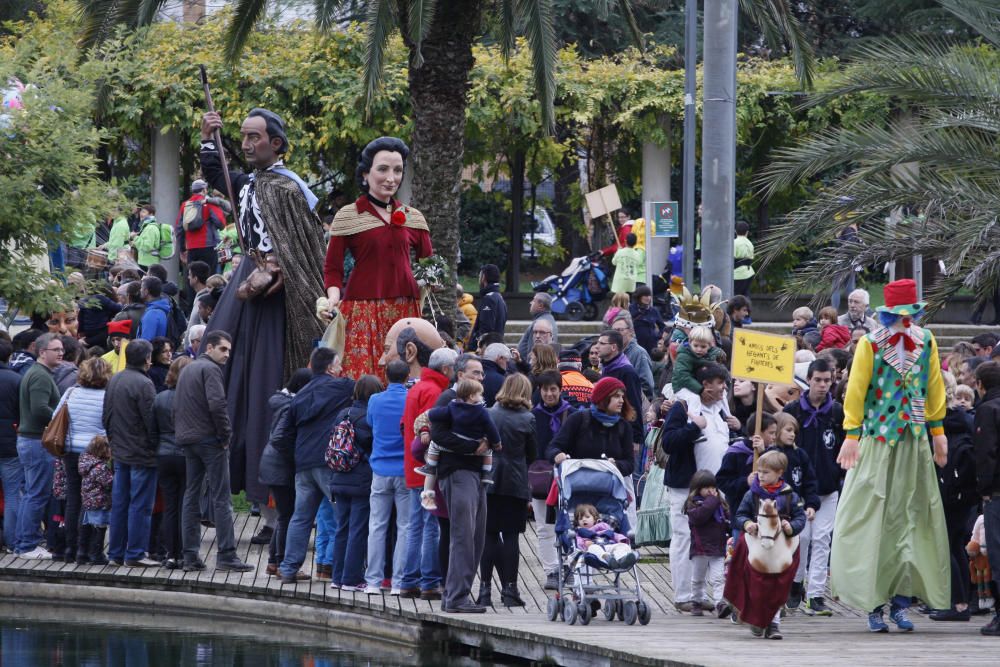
492	308
312	415
154	319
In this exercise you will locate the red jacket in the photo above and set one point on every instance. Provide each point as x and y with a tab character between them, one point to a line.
208	235
623	231
834	335
421	398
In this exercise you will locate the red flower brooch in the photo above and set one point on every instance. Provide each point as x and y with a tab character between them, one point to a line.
398	217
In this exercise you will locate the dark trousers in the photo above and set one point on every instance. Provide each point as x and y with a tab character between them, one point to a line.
742	287
211	462
284	502
502	551
350	541
956	520
71	517
172	472
465	498
444	545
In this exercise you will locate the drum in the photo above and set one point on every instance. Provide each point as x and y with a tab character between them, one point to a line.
97	260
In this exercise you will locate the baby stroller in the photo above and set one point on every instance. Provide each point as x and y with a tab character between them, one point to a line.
578	289
596	482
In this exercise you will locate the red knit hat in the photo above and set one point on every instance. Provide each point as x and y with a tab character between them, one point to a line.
604	388
120	328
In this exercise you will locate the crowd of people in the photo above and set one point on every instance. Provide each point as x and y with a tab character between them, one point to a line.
418	451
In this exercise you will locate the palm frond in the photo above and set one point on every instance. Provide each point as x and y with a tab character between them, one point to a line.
101	17
625	7
983	16
419	20
246	15
537	15
327	13
506	29
381	21
147	11
779	25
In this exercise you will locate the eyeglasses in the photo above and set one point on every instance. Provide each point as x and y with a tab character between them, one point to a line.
57	350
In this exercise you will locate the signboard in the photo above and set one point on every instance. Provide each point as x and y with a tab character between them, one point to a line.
664	218
603	201
762	357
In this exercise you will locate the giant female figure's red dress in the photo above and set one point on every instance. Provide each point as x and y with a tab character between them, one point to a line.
381	288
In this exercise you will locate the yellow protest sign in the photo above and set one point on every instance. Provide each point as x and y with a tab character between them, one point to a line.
763	357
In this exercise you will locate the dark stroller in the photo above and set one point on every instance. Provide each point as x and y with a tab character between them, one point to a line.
578	289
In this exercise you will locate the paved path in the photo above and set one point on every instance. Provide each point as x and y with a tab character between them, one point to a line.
671	637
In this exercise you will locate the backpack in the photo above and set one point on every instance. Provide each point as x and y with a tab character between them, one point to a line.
166	250
176	324
342	455
193	215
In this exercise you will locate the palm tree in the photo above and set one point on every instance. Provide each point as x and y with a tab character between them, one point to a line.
439	35
939	154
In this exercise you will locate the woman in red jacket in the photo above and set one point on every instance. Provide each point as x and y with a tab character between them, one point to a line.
379	232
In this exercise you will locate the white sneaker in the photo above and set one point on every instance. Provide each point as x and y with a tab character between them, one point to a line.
38	553
360	588
335	587
372	590
395	591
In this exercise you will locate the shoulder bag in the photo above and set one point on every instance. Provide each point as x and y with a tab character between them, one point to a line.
55	434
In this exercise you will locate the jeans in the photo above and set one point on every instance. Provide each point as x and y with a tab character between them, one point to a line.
350	542
387	491
71	516
325	527
132	496
212	462
38	470
12	474
311	487
680	546
421	569
173	482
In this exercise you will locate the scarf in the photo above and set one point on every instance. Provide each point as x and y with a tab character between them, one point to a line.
621	361
740	447
603	417
554	421
813	414
311	199
771	491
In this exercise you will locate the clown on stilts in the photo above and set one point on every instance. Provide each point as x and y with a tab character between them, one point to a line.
889	536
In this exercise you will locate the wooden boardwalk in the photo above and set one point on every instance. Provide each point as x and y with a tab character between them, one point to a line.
671	637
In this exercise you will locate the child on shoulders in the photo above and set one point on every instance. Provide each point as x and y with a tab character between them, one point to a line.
699	350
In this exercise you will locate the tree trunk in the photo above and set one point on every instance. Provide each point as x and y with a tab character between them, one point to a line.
566	220
438	93
517	162
718	145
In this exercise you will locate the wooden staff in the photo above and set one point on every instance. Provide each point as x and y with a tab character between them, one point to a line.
217	137
760	413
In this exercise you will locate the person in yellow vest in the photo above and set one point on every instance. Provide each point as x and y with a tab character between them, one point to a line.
889	534
118	334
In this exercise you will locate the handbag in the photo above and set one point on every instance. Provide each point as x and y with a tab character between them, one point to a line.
55	434
264	280
540	478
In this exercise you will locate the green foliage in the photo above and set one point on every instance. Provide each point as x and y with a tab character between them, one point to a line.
484	237
49	186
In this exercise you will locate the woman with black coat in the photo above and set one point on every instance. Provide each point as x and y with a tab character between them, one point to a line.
171	466
351	491
603	431
508	497
276	470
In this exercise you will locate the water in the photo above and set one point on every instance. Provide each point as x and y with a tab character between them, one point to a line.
151	640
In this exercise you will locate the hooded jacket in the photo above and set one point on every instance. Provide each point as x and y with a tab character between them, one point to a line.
465	304
834	336
154	320
312	415
277	468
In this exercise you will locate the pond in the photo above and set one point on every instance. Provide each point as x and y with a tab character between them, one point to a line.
60	637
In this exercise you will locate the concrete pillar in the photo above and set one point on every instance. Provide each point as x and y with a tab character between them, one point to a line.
655	187
166	184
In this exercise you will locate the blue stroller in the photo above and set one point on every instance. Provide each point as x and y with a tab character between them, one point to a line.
578	289
585	579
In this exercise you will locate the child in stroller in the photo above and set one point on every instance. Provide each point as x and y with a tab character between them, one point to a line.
596	537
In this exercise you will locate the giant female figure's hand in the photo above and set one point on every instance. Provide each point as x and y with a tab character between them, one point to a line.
849	453
333	294
940	450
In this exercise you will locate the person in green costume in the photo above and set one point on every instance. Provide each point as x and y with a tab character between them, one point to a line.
889	535
147	243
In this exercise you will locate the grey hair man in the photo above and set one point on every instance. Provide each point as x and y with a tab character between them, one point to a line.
497	363
542	329
857	316
638	357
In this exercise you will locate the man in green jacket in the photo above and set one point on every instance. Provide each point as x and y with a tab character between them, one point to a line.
147	243
38	397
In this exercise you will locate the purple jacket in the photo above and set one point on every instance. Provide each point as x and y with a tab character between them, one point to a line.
708	534
95	487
